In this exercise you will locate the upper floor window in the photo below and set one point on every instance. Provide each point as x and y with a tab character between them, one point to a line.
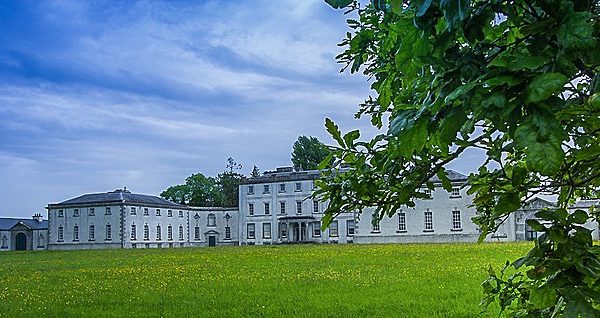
91	212
76	232
61	233
267	210
333	228
350	227
146	213
428	221
212	220
266	188
317	229
75	212
251	189
282	207
92	233
133	211
108	232
282	187
251	208
456	224
455	192
401	221
298	206
61	213
169	213
180	214
107	210
298	186
315	206
250	231
157	212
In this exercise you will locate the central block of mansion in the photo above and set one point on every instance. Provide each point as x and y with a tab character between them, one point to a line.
274	208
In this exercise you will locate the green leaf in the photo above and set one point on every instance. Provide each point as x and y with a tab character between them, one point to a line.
504	80
338	4
577	31
455	11
541	137
508	202
350	137
544	86
579	307
519	174
542	297
333	130
535	225
578	217
446	183
423	8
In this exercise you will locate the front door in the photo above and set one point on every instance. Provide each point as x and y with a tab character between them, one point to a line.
212	240
296	230
21	242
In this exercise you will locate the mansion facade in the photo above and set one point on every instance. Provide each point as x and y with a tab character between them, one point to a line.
275	208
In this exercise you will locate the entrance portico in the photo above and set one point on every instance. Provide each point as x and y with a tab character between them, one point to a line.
293	229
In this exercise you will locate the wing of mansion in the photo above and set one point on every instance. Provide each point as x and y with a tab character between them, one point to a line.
275	208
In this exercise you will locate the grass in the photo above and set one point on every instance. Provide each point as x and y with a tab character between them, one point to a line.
424	280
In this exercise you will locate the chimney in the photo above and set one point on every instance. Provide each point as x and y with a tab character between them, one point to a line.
37	217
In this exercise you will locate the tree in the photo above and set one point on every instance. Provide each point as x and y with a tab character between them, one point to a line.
255	172
229	182
198	190
308	152
517	79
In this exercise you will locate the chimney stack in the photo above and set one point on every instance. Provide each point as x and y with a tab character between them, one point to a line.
37	217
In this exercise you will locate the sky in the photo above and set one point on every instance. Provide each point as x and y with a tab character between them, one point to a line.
99	95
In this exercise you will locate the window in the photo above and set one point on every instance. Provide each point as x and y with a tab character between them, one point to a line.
267	212
428	221
456	224
157	212
350	227
333	228
266	189
455	192
401	221
197	233
133	212
75	212
180	214
283	230
282	187
315	206
61	213
91	212
76	232
227	233
91	234
427	191
298	207
250	189
317	229
40	240
170	233
133	232
375	226
146	232
212	220
181	232
170	213
298	186
4	242
250	231
108	232
251	208
158	233
266	230
107	211
61	233
282	207
146	213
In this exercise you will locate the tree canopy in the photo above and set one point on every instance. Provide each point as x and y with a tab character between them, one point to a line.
308	152
517	80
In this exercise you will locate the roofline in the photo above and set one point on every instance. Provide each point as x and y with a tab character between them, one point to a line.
114	202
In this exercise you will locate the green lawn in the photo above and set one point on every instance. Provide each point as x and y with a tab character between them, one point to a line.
423	280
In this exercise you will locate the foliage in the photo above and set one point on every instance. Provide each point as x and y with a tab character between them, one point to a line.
229	182
307	153
250	281
517	80
198	190
255	172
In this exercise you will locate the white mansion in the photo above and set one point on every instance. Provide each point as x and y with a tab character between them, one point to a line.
274	208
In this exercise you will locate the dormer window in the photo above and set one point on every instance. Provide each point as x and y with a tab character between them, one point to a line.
250	189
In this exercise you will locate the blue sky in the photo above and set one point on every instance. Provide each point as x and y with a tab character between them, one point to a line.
98	95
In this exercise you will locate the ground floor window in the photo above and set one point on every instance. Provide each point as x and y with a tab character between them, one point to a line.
108	232
146	232
158	233
227	233
40	240
4	242
170	233
181	233
283	230
401	221
428	221
197	233
250	231
316	229
350	227
133	233
456	224
333	228
92	233
75	233
61	233
267	230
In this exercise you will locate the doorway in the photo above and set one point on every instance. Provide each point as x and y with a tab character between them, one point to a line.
212	240
21	242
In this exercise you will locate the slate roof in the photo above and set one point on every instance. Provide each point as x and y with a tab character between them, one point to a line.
118	196
8	223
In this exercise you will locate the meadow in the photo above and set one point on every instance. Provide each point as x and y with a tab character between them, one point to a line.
424	280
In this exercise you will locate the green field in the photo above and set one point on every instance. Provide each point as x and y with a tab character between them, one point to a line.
423	280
